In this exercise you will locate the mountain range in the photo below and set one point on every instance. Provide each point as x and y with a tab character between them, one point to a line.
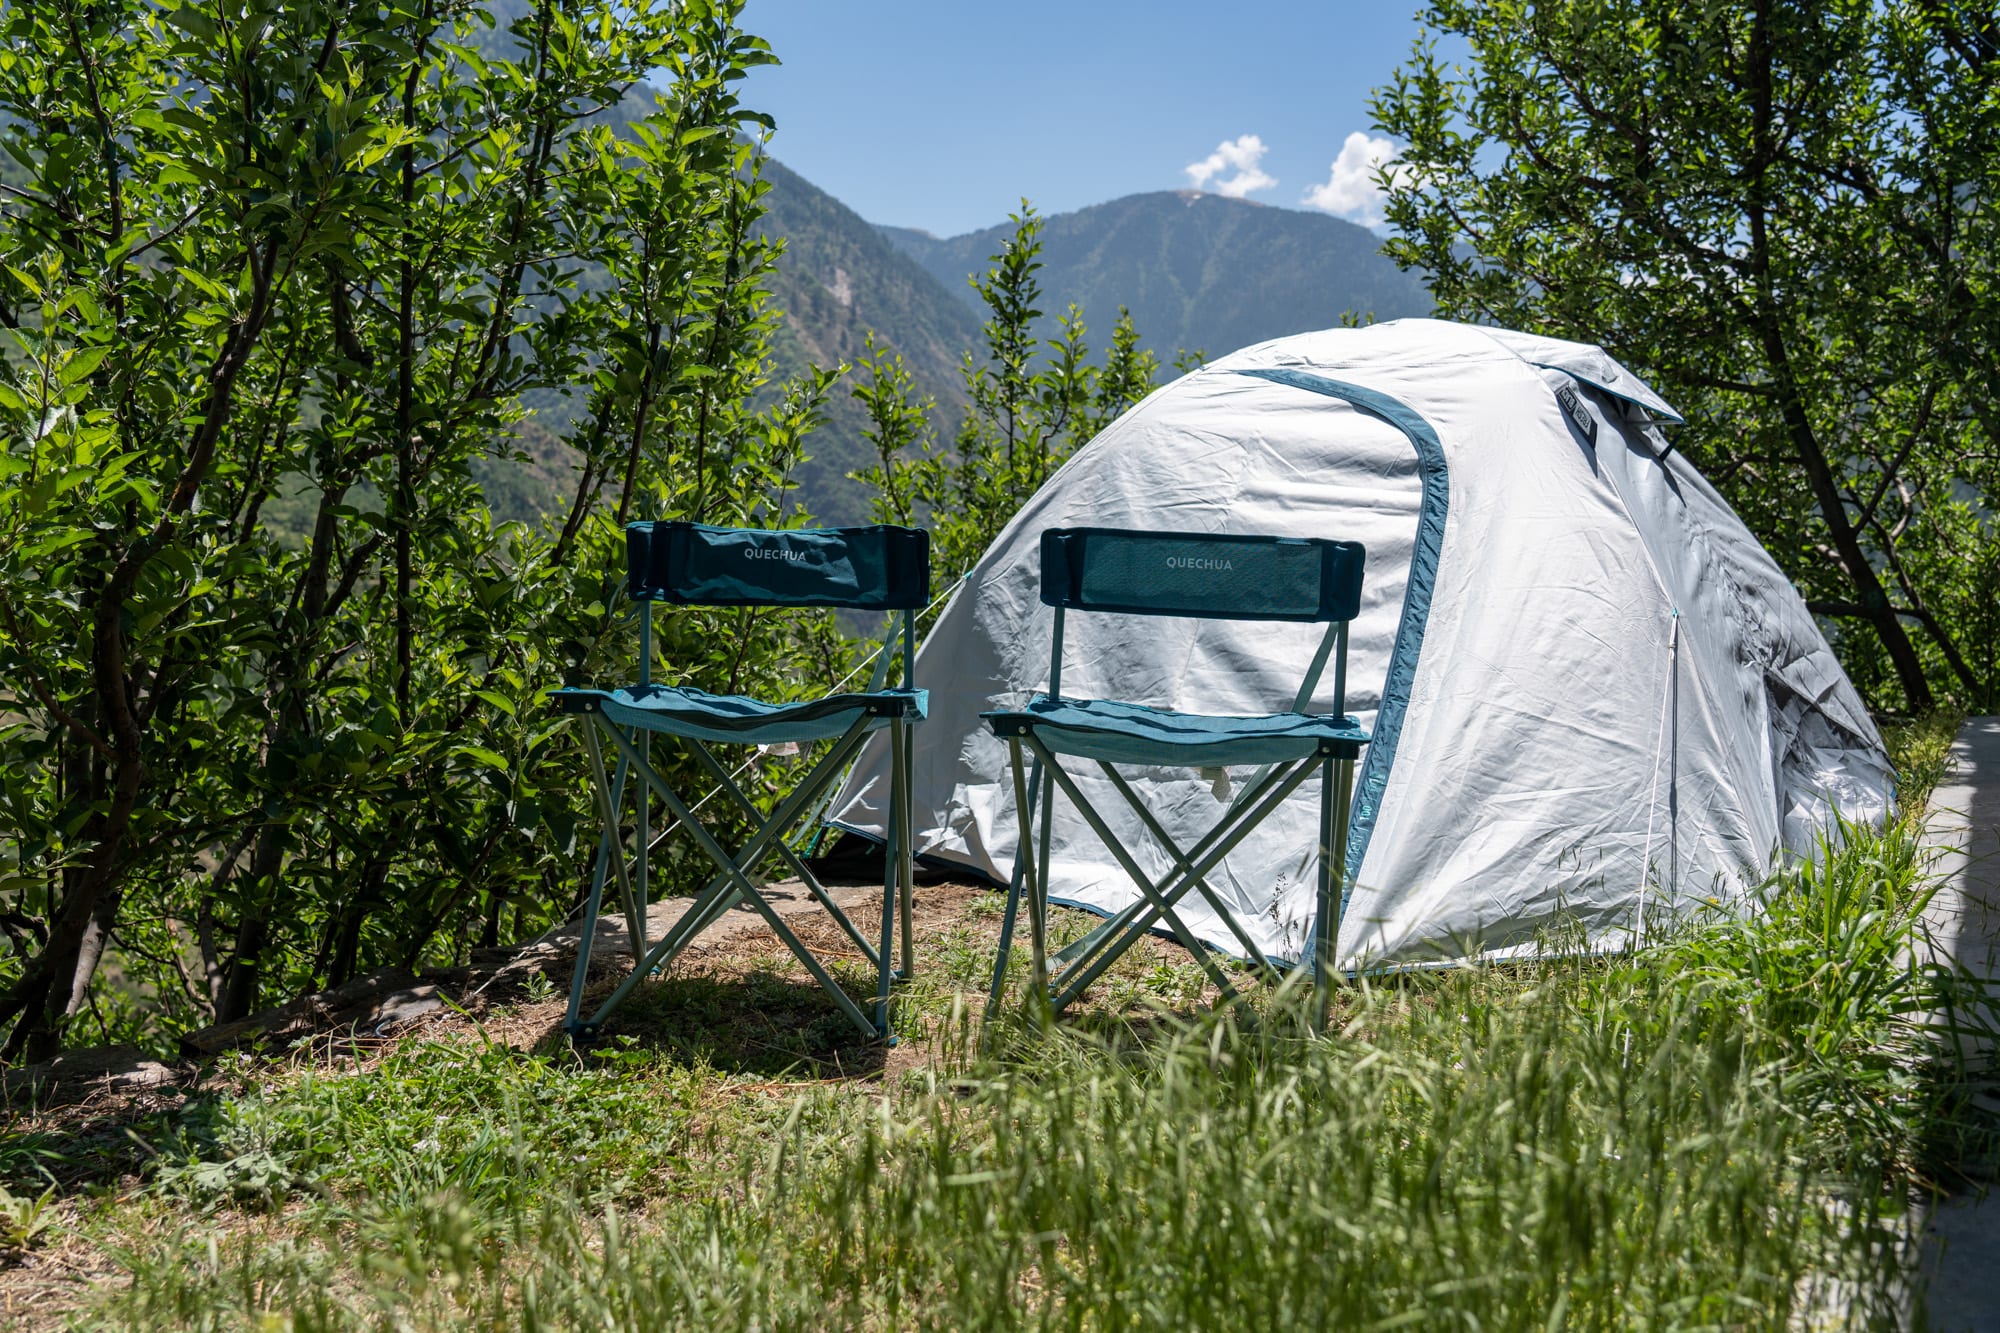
1199	273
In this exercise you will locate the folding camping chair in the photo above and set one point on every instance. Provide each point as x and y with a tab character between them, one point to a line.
689	564
1209	577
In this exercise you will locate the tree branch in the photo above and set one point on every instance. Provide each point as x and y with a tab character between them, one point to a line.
84	730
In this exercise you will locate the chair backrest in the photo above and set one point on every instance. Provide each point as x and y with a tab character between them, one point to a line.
879	568
1208	576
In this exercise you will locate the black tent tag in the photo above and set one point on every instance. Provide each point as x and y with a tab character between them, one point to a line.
1579	415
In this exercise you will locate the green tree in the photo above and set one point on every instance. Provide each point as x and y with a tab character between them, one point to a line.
318	257
1033	402
1781	213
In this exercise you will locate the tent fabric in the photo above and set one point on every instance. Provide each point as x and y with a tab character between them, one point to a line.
1594	698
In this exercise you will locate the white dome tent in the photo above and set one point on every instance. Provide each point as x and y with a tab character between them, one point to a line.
1593	694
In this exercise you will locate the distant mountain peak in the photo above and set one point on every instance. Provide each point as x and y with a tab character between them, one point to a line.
1192	197
1224	275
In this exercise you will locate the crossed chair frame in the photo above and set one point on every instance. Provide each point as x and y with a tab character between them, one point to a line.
735	881
1058	979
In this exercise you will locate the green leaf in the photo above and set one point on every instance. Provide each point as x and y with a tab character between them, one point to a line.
480	754
499	701
81	363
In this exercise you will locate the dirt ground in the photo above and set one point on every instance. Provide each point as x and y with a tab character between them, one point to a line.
736	999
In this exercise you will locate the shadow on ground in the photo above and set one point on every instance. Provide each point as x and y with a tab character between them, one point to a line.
759	1021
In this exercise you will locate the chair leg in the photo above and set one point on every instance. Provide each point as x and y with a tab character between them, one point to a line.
1038	889
907	850
1343	800
1086	945
737	867
733	867
734	882
1252	805
1336	792
791	856
892	874
1162	898
709	904
1024	850
635	929
608	812
1324	906
607	847
1162	902
1252	955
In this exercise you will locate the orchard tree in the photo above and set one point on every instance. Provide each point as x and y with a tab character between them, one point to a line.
274	276
1782	214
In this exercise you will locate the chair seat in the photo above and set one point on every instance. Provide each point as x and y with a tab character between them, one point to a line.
1123	733
738	718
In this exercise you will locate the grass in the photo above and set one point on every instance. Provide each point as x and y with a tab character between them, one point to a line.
1717	1131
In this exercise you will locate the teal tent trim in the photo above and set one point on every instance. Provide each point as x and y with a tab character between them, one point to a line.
1416	601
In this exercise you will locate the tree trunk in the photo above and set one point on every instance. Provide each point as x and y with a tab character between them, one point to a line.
41	997
1766	304
239	996
1870	599
348	946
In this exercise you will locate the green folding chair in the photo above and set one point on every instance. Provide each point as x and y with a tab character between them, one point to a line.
1209	577
689	564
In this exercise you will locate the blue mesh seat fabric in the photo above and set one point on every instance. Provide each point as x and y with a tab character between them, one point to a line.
1123	733
738	718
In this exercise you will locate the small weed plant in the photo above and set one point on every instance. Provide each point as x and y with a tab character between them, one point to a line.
24	1219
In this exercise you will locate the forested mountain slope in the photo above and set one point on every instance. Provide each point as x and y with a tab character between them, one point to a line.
1198	271
838	279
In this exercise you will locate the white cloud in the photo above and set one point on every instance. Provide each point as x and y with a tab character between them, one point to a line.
1351	190
1233	168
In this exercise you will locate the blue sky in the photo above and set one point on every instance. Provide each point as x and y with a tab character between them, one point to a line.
942	115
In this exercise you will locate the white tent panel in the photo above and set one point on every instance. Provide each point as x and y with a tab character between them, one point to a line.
1603	698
